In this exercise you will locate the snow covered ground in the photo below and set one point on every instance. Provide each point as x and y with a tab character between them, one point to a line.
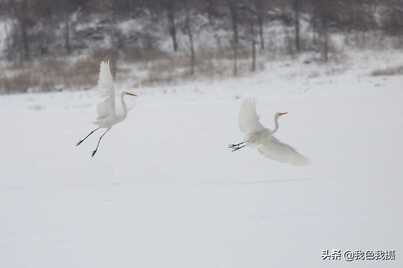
165	191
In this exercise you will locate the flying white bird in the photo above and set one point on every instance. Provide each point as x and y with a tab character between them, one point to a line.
106	109
263	139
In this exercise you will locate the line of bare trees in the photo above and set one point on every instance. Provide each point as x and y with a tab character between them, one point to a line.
39	24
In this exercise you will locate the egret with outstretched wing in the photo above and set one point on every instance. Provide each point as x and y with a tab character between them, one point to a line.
262	137
107	115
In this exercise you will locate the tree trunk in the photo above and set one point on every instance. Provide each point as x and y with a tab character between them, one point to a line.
192	55
253	66
67	35
26	56
210	11
260	21
189	33
7	37
326	47
325	39
235	35
22	17
172	26
259	11
297	10
320	22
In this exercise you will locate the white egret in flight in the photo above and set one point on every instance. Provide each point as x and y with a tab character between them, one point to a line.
263	139
107	113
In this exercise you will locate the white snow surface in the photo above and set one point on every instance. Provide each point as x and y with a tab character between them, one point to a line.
165	191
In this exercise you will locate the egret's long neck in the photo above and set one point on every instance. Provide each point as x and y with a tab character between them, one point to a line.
276	126
122	95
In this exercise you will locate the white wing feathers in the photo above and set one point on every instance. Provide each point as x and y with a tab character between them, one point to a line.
106	90
278	151
248	118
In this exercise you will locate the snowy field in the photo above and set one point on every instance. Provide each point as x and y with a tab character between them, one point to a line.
165	191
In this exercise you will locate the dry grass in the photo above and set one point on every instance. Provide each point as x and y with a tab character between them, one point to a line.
210	64
157	68
165	71
133	55
48	75
389	71
18	83
82	74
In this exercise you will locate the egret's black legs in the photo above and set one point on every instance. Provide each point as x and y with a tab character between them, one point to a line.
92	132
232	146
99	141
237	146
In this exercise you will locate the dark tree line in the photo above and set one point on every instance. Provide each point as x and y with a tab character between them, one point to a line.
48	27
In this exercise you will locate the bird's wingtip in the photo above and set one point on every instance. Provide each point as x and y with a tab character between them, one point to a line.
104	63
249	100
301	161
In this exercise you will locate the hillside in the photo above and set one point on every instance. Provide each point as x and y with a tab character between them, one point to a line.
57	45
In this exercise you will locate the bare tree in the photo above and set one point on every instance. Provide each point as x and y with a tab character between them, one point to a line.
250	21
37	22
297	27
233	7
253	43
21	13
392	19
261	8
65	10
323	12
170	8
188	29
